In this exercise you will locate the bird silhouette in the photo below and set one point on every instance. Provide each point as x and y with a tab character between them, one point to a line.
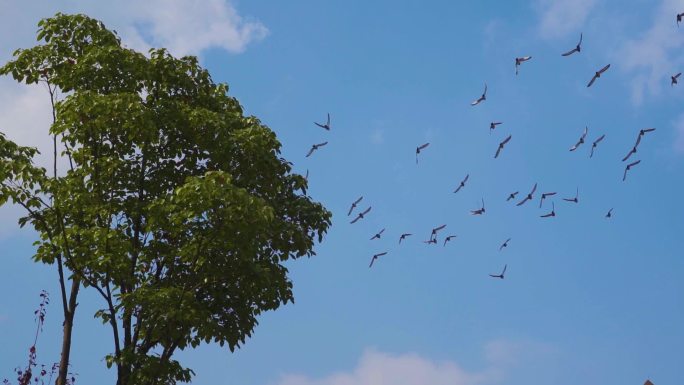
575	199
378	235
519	61
500	275
481	99
353	205
528	197
577	48
674	78
629	167
361	215
501	146
598	74
581	139
552	213
376	257
403	236
493	125
419	149
435	230
447	239
505	244
595	143
512	196
679	18
326	125
543	196
462	184
610	213
315	147
479	211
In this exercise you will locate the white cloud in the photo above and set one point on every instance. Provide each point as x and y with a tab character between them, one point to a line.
652	58
558	18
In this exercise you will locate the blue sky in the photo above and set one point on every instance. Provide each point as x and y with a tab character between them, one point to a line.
584	299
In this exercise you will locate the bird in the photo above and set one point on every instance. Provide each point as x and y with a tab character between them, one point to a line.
674	78
642	132
447	239
629	166
315	147
377	236
679	18
493	125
512	196
505	244
403	236
326	125
482	98
376	257
529	196
552	213
435	230
543	196
501	146
632	151
577	48
479	211
361	215
575	199
419	148
610	213
462	184
353	205
519	61
500	275
598	74
645	131
595	143
581	139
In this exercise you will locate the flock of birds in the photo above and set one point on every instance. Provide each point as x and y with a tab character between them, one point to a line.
493	125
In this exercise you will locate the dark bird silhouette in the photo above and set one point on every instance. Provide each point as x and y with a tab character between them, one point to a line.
435	230
596	142
361	215
447	239
479	211
552	213
501	146
326	125
500	275
674	78
481	99
642	132
577	48
419	149
493	125
403	236
376	257
512	196
610	213
519	61
505	244
315	147
528	197
629	167
353	205
598	74
581	139
575	199
462	184
679	18
543	196
378	235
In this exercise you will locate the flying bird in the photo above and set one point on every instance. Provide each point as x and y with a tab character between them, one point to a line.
512	196
581	139
543	196
577	48
361	215
315	147
462	184
596	142
481	99
493	125
642	132
679	18
632	151
376	257
575	199
501	146
377	236
353	205
403	236
419	148
519	61
598	74
610	213
435	230
629	166
500	275
674	78
505	244
479	211
326	125
552	213
528	197
447	239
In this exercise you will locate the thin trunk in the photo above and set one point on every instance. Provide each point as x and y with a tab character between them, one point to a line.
66	337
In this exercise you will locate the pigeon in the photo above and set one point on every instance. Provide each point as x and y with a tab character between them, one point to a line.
595	143
377	236
492	126
544	195
361	215
581	139
629	167
315	147
403	236
528	197
575	199
519	61
419	148
481	99
501	146
376	257
500	275
674	78
479	211
326	125
505	244
353	205
447	239
552	213
577	48
512	196
598	74
462	184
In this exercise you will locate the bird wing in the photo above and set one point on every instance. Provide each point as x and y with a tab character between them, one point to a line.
593	79
624	176
504	270
506	140
328	124
604	69
678	75
381	231
485	91
498	150
351	209
438	228
466	178
372	260
355	219
629	154
634	163
591	154
584	135
356	202
569	52
311	151
321	144
422	146
648	129
458	189
366	212
600	138
534	188
319	125
580	42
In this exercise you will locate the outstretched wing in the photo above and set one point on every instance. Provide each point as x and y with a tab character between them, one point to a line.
570	52
604	69
593	79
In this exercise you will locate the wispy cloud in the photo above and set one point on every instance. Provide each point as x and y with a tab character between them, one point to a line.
558	18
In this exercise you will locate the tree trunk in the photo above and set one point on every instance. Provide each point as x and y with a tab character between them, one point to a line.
66	335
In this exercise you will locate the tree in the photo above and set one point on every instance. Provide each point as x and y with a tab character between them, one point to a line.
170	203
